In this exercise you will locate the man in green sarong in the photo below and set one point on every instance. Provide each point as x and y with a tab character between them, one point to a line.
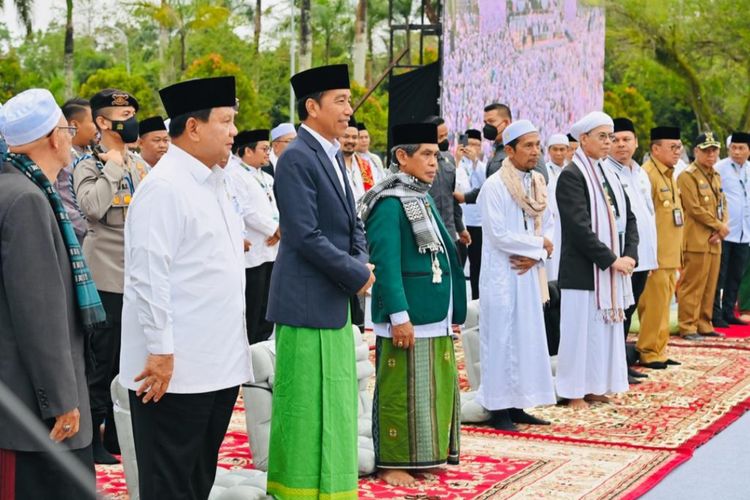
420	291
322	262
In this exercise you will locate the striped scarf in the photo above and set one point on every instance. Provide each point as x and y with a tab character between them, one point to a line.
87	298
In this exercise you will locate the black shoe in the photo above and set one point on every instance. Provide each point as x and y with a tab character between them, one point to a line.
720	323
692	336
655	365
672	362
712	334
521	417
734	320
633	380
110	441
101	456
501	421
632	372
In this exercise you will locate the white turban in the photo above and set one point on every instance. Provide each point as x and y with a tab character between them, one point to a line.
558	140
517	129
590	122
282	130
29	116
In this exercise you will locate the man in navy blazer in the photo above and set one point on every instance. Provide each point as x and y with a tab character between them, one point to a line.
321	264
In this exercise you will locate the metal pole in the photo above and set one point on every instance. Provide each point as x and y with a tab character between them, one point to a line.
292	54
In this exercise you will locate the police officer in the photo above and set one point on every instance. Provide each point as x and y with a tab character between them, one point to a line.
104	183
706	225
653	308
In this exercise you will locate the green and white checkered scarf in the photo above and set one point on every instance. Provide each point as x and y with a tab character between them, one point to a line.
87	298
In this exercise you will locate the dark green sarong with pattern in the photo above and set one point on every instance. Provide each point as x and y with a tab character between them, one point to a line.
416	410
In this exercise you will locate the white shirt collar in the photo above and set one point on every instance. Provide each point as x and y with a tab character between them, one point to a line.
331	148
198	170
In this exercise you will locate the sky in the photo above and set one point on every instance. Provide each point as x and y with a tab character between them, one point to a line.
43	12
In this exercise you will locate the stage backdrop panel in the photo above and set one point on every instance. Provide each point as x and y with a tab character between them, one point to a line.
544	58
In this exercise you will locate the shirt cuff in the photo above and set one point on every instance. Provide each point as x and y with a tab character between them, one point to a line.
160	341
399	318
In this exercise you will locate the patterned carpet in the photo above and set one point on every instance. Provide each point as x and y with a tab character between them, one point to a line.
617	450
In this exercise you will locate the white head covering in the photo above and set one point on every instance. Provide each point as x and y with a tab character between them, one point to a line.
28	116
729	141
517	129
558	140
281	130
590	122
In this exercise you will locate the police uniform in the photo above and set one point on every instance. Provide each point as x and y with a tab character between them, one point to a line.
705	214
104	191
653	307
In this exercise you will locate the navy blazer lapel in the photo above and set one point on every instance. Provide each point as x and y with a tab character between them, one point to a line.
325	162
349	194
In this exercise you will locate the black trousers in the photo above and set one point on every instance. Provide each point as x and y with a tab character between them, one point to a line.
105	350
734	257
39	475
639	283
257	284
475	259
177	442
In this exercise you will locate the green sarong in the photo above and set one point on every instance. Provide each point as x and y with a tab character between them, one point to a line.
416	410
313	446
744	293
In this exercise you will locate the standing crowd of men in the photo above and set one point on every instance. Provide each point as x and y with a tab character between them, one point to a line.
162	250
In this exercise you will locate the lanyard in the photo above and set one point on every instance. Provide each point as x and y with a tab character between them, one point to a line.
741	178
711	185
669	185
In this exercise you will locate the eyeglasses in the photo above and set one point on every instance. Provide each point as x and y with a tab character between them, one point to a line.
603	136
285	141
675	148
71	130
265	149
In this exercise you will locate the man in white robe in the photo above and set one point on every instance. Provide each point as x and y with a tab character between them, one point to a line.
517	229
599	253
557	149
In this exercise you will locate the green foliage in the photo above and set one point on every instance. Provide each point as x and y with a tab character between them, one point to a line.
374	113
118	78
12	77
626	101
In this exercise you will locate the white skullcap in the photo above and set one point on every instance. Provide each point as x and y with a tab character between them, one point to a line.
517	129
590	122
28	116
729	141
558	140
281	130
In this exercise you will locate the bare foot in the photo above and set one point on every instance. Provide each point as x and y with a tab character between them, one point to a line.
578	404
397	477
596	398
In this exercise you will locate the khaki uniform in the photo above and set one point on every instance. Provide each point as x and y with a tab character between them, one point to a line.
653	306
104	193
705	212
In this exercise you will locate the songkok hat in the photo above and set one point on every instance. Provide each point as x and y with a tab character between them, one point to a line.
658	133
590	122
741	137
624	125
473	133
558	140
571	139
414	133
353	122
250	136
361	126
108	98
320	79
517	129
199	94
151	124
282	130
29	116
705	141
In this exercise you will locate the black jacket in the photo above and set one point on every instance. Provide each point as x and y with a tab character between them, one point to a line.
580	245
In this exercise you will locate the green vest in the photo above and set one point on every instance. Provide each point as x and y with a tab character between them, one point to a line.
403	276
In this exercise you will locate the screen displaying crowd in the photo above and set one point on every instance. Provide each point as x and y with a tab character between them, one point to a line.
543	58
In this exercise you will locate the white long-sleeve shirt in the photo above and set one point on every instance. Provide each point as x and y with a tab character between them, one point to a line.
256	204
185	278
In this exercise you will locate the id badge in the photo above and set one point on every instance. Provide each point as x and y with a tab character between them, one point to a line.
677	215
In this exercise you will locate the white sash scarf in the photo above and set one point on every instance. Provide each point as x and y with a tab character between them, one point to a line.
614	291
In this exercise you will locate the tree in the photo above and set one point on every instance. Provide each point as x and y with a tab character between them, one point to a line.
256	26
359	55
626	101
68	50
23	8
330	22
305	35
118	78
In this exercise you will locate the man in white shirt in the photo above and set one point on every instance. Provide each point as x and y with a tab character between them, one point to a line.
735	247
637	187
472	171
558	146
281	135
184	349
357	178
363	149
257	206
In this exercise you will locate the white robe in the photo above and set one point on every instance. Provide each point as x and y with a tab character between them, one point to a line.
553	263
514	360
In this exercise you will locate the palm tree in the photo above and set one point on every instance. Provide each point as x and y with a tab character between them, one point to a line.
23	8
305	32
359	52
256	24
68	50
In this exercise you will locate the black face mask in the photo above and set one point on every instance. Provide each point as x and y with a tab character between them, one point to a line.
489	132
128	129
443	145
